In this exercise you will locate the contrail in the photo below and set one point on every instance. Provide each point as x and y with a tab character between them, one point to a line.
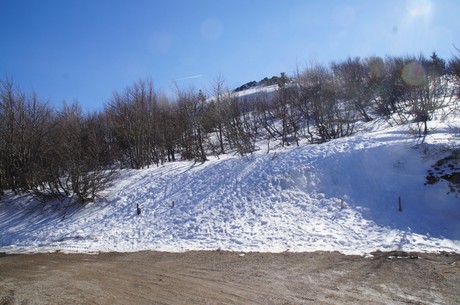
189	77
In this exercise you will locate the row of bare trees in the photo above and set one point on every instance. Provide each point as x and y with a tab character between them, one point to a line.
68	152
57	154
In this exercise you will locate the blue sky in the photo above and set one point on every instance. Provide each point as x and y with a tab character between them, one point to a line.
83	50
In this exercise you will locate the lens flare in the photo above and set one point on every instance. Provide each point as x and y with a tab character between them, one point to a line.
211	29
417	8
413	74
377	68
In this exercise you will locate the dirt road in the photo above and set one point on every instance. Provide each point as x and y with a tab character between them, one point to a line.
229	278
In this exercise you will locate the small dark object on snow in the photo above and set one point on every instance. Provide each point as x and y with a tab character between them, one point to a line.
138	209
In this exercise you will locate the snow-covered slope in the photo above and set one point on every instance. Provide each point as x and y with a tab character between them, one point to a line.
338	196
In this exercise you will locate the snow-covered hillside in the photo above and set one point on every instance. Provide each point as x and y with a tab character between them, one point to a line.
338	196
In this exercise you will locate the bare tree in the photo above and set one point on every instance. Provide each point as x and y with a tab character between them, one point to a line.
388	89
24	125
134	119
79	158
454	72
352	80
240	126
429	89
168	127
332	118
218	111
191	109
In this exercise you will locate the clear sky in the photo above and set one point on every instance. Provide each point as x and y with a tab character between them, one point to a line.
85	49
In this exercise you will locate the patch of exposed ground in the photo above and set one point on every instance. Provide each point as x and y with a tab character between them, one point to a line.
230	278
447	169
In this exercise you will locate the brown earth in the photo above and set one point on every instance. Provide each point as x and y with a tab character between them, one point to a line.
229	278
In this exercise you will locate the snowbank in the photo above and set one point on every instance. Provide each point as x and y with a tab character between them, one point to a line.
338	196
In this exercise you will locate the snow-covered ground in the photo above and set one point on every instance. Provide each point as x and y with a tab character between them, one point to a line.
338	196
